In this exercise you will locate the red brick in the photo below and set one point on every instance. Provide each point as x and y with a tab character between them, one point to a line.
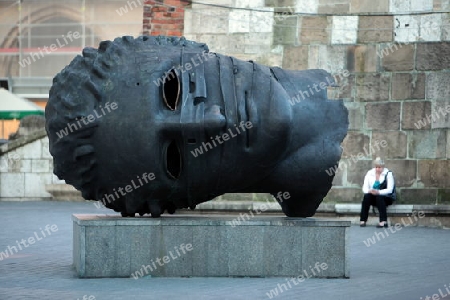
159	15
158	9
162	21
172	2
170	26
178	15
176	33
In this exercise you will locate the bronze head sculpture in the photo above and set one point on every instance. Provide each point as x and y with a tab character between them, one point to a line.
151	124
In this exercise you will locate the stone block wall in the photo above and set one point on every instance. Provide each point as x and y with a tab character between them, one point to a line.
26	168
245	31
391	59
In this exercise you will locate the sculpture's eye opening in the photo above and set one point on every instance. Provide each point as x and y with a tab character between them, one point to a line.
171	89
173	160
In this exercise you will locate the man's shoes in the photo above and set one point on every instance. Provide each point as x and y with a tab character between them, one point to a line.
362	224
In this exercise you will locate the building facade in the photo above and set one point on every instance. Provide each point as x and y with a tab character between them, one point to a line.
391	59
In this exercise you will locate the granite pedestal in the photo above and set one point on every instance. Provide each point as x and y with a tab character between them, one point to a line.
209	246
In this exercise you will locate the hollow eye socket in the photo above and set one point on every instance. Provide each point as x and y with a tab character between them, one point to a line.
173	160
171	89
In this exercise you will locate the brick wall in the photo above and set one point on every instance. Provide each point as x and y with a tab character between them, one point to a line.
164	17
396	55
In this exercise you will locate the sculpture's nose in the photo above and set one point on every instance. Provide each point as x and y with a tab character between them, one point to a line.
196	121
200	120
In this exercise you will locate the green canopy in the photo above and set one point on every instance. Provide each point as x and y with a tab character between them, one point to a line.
14	107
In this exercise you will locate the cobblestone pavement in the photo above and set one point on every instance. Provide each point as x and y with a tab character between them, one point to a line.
410	263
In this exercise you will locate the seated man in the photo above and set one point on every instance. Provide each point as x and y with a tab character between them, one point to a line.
378	189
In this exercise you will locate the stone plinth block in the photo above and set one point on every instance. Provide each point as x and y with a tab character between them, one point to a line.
209	246
354	143
408	86
372	87
344	29
369	6
355	115
357	169
390	111
397	57
438	86
416	115
404	171
344	195
333	7
427	144
296	58
285	30
432	56
314	30
434	172
331	58
375	28
417	196
394	145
